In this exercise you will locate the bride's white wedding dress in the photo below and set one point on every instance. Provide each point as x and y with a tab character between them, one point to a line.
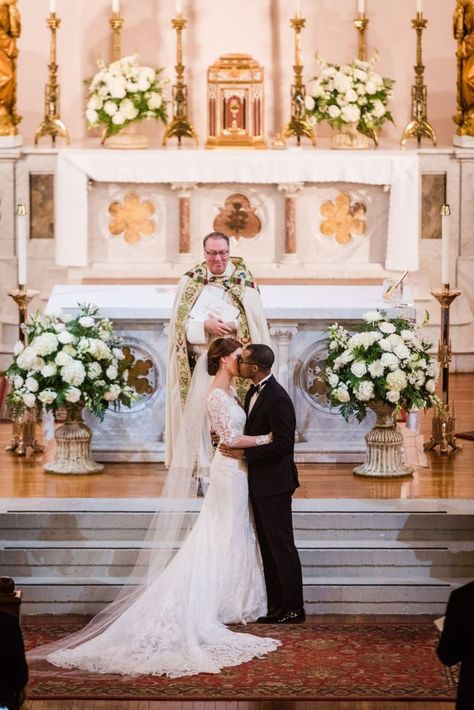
176	627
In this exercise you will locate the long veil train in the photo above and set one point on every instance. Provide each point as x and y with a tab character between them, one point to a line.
171	523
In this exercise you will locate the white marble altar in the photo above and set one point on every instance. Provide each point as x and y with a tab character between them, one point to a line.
298	317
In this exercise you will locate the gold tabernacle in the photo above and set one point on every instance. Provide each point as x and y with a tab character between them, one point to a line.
235	103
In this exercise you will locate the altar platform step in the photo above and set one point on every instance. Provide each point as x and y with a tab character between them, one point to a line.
358	556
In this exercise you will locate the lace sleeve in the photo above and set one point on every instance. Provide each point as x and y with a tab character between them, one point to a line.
264	439
219	414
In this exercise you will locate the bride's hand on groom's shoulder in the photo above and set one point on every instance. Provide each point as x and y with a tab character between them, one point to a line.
230	452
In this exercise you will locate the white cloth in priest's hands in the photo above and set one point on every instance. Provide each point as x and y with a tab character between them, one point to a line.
211	301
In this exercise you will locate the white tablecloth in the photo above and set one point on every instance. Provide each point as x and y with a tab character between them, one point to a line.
394	168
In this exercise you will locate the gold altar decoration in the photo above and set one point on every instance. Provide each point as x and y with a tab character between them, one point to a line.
180	126
116	24
52	125
10	29
235	103
299	126
419	127
23	425
237	218
342	219
463	26
138	371
361	23
132	218
443	423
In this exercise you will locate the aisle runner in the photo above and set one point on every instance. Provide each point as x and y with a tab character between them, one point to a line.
336	661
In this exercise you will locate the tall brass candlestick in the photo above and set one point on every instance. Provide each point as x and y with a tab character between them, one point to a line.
299	125
116	24
180	126
361	23
419	126
52	125
23	425
442	431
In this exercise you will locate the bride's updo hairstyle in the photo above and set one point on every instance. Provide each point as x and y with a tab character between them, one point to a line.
221	347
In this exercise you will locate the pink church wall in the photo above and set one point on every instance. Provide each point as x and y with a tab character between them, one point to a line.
256	27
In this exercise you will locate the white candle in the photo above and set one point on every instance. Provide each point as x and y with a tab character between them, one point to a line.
361	6
297	8
179	7
445	212
419	7
52	6
21	242
116	6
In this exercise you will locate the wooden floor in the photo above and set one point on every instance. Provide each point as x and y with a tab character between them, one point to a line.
446	476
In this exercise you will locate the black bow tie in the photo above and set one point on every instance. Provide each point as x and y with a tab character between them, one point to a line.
254	389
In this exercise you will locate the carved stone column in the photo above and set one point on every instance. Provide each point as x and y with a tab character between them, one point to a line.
283	335
290	190
185	190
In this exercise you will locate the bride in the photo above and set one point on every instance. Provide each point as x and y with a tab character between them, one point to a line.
172	622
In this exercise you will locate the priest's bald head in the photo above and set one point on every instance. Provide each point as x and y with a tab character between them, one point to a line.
216	252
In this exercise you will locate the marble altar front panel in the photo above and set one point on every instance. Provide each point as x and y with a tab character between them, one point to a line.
298	317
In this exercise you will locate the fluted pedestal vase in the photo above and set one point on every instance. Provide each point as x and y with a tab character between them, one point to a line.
347	137
384	446
73	446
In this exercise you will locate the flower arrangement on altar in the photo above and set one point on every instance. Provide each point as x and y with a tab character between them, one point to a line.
123	93
350	94
385	360
69	361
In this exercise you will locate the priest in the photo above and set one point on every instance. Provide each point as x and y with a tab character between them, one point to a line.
216	298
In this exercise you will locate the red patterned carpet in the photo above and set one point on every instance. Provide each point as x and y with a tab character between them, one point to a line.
337	661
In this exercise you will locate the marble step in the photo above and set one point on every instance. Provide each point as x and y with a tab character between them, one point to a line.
120	525
318	558
338	595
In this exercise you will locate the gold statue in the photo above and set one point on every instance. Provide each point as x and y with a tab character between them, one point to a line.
463	27
10	28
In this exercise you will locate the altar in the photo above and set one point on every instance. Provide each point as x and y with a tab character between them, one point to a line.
292	213
298	316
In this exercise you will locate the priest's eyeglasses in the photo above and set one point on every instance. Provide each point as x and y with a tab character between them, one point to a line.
214	254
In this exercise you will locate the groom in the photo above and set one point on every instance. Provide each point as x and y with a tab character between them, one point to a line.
272	481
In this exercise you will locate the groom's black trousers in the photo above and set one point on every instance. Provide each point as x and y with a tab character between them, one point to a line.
281	564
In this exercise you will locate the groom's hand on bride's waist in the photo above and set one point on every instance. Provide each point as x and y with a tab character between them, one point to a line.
230	452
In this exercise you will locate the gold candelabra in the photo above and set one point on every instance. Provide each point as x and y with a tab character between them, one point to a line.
299	126
52	125
361	23
116	24
24	424
442	431
419	127
180	126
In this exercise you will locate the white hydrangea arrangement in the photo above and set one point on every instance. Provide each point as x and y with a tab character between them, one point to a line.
386	360
350	93
69	361
122	93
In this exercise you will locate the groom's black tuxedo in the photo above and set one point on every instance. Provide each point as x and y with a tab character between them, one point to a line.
273	478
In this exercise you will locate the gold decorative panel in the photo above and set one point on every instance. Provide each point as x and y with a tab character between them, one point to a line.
132	217
433	187
343	220
237	218
41	206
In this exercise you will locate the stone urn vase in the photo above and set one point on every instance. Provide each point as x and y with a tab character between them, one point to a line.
127	139
347	137
73	446
384	446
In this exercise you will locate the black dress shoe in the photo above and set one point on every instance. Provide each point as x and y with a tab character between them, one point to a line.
271	617
293	616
